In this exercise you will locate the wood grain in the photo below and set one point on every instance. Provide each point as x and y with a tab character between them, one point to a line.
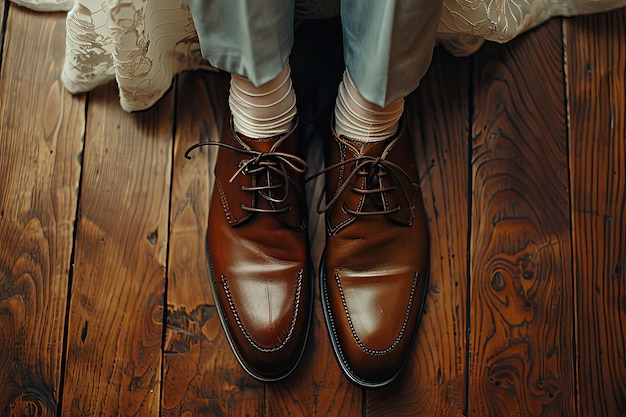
201	373
116	311
317	387
596	74
438	117
521	321
41	128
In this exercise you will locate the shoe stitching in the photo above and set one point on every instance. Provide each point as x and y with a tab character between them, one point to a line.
339	350
342	151
249	338
225	206
402	330
334	330
332	230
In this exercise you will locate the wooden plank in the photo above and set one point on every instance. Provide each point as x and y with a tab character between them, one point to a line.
596	60
438	113
113	364
521	321
317	387
41	129
201	375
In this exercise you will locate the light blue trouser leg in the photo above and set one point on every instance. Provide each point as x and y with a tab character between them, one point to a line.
251	38
388	43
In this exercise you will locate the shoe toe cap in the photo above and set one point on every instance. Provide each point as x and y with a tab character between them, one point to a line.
265	321
375	318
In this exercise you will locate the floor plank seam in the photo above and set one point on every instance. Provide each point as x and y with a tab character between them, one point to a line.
70	275
470	155
167	246
3	30
574	304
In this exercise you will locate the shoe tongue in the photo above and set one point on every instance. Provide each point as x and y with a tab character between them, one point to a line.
295	217
374	149
383	200
262	145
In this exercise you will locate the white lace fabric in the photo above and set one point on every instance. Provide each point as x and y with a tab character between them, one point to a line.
142	44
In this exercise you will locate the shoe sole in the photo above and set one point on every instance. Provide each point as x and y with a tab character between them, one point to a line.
229	337
334	341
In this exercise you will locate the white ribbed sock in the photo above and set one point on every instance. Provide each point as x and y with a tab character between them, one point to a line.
264	111
358	119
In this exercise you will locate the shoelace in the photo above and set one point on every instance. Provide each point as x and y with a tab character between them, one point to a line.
373	168
263	163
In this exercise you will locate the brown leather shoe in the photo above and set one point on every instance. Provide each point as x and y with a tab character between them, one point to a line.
258	251
375	268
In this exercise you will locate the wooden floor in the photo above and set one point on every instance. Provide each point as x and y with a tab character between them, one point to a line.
105	308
